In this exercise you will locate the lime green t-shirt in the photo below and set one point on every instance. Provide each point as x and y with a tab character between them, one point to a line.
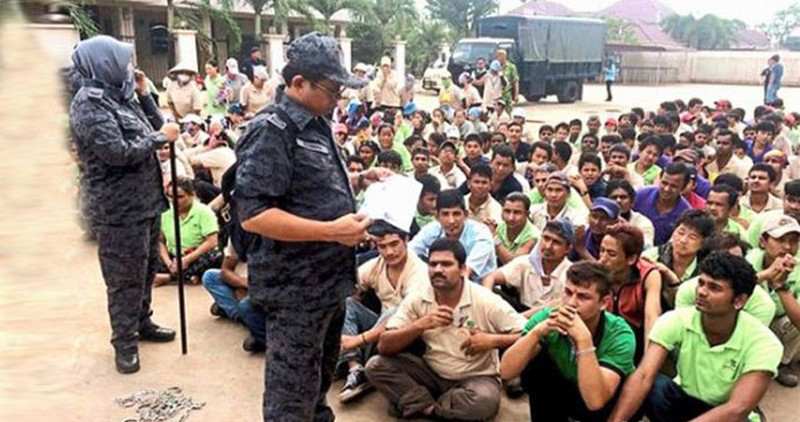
198	224
614	342
710	373
423	220
759	305
754	231
749	216
652	253
756	258
736	229
649	175
212	89
528	232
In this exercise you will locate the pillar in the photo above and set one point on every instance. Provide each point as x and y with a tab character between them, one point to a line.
127	30
275	49
400	61
186	47
346	45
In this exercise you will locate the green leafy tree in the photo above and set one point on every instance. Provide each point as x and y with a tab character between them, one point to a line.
620	31
783	23
707	33
424	45
194	12
327	8
461	16
281	9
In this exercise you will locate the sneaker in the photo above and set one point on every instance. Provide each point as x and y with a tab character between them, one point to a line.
217	311
786	377
355	385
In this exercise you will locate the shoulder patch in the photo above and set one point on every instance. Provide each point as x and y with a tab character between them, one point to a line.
277	121
95	93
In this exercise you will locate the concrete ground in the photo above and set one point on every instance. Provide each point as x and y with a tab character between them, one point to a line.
55	360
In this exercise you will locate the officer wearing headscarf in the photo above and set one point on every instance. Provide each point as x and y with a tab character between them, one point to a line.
293	189
121	184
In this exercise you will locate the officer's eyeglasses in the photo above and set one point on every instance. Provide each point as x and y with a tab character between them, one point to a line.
337	94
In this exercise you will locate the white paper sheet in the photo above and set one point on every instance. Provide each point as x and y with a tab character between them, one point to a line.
393	200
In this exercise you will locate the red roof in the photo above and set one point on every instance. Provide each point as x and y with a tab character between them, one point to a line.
650	11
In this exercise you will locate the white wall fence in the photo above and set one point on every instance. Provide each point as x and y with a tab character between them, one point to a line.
725	67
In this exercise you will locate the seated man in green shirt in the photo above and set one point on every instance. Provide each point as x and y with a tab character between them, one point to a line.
791	203
515	235
573	359
776	265
759	304
726	358
721	200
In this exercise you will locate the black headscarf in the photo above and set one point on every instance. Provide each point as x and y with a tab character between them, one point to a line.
103	58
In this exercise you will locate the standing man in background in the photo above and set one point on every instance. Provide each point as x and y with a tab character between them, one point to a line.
610	75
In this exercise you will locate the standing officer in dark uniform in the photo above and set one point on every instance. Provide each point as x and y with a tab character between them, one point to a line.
292	189
121	183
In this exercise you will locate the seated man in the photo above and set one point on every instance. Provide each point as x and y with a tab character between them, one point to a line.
426	205
539	277
663	204
726	358
391	276
452	223
515	235
720	202
481	207
228	286
622	192
573	359
778	273
462	325
759	199
604	213
791	204
556	203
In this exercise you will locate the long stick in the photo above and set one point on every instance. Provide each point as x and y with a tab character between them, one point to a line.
178	250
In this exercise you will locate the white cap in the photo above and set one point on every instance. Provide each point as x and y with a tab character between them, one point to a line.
192	118
518	112
780	226
452	132
360	67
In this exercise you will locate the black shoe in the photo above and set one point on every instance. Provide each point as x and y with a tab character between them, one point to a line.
127	362
152	332
514	388
217	311
253	345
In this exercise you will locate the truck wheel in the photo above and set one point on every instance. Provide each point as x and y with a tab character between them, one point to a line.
569	93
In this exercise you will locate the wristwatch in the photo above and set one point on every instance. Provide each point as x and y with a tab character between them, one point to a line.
782	288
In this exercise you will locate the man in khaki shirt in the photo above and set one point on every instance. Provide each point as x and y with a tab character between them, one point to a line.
392	276
462	325
480	204
257	94
183	96
386	90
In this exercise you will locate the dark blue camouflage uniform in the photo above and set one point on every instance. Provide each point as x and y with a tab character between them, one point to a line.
301	285
121	185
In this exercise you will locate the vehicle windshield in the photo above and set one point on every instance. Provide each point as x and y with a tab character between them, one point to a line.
470	52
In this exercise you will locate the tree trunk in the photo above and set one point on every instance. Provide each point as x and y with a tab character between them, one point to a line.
257	27
170	15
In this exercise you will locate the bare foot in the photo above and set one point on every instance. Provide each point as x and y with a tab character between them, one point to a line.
195	280
161	279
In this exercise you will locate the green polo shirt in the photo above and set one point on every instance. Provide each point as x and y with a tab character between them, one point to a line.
404	155
756	258
710	373
759	305
736	229
749	216
528	232
423	220
198	224
754	231
614	342
649	175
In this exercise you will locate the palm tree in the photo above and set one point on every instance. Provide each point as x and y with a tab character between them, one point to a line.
707	33
219	11
281	9
327	8
394	17
424	44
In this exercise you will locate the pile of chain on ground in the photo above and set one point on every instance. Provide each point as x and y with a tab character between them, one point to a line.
159	406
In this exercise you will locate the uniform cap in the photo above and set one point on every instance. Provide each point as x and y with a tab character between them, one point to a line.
321	54
781	226
608	206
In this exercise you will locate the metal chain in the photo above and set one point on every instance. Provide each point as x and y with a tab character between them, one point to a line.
160	406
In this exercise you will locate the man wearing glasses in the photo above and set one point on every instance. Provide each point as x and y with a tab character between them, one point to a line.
293	190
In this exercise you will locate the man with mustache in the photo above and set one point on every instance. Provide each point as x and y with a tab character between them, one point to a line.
462	325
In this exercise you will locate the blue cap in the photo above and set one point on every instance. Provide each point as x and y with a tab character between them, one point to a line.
409	109
322	55
235	108
474	112
495	66
563	228
608	206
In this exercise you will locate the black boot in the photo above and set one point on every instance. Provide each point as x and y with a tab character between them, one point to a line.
149	331
127	361
253	345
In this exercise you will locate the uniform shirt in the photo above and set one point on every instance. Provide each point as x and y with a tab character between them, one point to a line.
735	229
121	177
478	308
529	281
475	238
773	203
186	99
642	223
665	223
710	373
756	258
254	99
304	176
449	180
212	90
649	175
217	161
490	209
199	223
614	344
576	216
754	230
386	90
735	165
759	304
529	232
663	254
373	275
